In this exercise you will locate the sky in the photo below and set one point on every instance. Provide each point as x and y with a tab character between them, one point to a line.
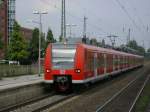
105	17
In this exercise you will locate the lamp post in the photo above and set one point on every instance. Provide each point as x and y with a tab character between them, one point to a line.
40	34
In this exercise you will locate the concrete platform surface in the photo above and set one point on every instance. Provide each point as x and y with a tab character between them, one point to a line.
12	82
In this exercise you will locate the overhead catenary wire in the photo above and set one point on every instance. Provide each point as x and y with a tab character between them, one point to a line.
137	14
80	19
94	26
128	15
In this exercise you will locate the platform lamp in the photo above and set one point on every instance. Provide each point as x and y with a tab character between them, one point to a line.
40	13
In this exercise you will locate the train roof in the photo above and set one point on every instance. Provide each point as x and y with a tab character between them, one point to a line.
110	51
94	48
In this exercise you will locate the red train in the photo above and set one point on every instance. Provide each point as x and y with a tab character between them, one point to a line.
70	64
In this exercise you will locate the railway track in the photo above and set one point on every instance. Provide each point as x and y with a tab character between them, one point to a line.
57	100
14	107
39	104
139	94
45	102
124	100
96	96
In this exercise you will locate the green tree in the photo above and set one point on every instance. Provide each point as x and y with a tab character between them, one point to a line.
34	46
17	49
103	43
148	50
93	41
60	38
133	44
1	2
43	44
141	50
1	42
50	37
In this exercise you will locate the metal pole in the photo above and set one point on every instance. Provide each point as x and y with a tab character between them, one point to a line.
62	20
129	34
40	33
70	31
65	20
84	27
112	39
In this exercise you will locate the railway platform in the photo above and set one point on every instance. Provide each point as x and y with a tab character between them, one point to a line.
148	109
24	87
12	82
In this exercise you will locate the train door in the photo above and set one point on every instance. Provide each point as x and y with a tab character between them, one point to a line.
116	63
114	59
105	63
95	64
118	58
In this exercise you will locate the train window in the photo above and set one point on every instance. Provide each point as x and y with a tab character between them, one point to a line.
100	60
89	60
63	58
115	60
109	60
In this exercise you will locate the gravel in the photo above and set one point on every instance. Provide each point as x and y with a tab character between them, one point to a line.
96	96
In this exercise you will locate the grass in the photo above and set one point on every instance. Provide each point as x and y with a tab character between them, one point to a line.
144	99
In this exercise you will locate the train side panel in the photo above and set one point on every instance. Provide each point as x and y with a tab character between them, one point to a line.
90	64
78	75
48	64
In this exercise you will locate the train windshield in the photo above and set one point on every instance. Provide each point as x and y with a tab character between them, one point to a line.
63	58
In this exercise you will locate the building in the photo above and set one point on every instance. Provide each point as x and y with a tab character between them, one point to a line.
7	18
27	33
11	17
3	26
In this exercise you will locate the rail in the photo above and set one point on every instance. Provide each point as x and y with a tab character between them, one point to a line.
117	94
139	94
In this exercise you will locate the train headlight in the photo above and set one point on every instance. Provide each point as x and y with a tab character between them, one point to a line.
77	70
48	71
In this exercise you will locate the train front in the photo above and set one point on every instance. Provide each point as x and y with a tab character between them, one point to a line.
59	66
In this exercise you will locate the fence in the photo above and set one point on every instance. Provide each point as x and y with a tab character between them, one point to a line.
17	70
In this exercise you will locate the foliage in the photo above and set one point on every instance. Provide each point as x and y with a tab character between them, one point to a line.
34	45
1	2
43	45
133	44
17	49
60	38
85	40
93	41
50	37
143	101
1	42
103	43
141	50
148	50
